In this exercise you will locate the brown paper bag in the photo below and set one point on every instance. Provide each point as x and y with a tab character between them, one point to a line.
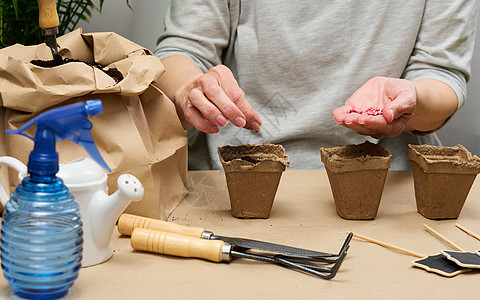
3	150
138	133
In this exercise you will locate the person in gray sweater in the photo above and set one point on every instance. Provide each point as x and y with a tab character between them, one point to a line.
310	74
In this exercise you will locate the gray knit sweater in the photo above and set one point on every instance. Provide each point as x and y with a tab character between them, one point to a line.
299	60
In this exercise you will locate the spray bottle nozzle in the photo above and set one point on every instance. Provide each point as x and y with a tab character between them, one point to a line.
94	107
66	122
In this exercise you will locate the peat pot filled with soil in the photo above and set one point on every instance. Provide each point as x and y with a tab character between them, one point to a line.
253	174
442	178
357	176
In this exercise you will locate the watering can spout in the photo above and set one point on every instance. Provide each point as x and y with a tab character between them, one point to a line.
129	189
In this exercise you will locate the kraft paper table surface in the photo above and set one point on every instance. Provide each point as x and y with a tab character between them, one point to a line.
303	215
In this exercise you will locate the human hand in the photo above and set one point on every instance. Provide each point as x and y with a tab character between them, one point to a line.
380	108
213	99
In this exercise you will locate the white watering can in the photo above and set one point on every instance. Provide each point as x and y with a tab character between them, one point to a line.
87	181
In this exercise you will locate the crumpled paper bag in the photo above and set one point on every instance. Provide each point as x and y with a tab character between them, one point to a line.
138	133
3	150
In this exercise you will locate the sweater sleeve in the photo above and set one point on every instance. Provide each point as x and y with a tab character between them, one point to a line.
197	29
444	45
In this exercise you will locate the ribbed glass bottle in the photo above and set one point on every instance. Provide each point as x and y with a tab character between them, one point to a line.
42	238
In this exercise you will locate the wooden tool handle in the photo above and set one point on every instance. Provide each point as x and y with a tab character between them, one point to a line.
48	17
127	223
176	244
435	233
388	245
467	231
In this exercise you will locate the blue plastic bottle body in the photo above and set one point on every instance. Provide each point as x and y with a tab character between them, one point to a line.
41	239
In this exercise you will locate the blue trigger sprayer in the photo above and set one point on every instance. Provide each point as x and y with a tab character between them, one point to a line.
41	235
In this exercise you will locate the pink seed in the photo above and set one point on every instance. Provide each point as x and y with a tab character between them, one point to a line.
372	111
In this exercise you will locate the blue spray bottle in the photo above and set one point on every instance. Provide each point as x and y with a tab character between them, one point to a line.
41	235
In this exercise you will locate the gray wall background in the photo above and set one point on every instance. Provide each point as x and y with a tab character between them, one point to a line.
144	22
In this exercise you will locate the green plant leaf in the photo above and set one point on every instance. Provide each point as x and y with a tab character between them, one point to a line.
19	19
15	7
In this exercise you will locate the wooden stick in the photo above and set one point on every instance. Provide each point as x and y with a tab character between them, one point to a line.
388	245
468	231
435	233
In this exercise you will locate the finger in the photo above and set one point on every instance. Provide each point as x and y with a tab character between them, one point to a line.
395	111
361	129
206	108
216	86
233	91
373	122
195	117
351	118
340	113
228	108
402	104
253	120
379	127
397	127
375	126
389	114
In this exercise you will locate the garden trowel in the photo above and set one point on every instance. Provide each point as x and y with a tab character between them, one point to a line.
48	21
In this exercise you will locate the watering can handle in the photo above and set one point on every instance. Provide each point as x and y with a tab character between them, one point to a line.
15	164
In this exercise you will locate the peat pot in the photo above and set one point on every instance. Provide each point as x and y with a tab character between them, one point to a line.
253	174
357	175
442	178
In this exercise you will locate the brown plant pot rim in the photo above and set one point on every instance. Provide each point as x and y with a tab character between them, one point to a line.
353	158
253	158
443	159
